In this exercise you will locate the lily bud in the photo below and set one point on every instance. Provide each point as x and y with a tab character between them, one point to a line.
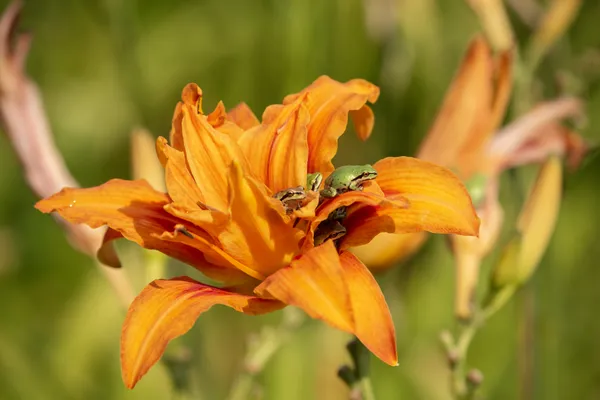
470	251
535	226
554	23
145	163
494	19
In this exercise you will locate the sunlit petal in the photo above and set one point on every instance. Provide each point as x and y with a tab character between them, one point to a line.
277	150
439	202
166	309
219	120
258	236
243	116
363	120
135	211
341	291
191	95
131	207
209	154
329	103
180	183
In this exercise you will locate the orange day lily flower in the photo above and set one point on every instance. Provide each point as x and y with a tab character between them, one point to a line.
219	215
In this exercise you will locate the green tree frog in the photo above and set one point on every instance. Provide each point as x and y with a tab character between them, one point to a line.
338	214
347	178
313	181
291	198
329	229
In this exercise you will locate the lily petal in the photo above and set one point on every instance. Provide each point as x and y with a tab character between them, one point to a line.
277	150
341	291
219	120
209	153
243	116
166	309
439	203
329	103
133	208
258	235
211	253
473	156
354	200
135	211
180	183
188	200
465	111
363	120
191	95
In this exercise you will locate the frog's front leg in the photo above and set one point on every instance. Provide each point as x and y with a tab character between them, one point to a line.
328	192
355	186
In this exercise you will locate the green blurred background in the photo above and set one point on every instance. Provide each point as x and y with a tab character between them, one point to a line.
105	67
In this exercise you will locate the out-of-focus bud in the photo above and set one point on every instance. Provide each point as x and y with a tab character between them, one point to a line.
494	20
470	251
145	163
554	23
474	379
387	249
535	226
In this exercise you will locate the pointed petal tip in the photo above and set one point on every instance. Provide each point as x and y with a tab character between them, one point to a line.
390	359
166	309
128	381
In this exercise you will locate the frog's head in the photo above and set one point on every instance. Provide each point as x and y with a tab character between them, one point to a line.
313	181
329	229
365	173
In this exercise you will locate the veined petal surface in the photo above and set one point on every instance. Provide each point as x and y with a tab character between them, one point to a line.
340	290
258	235
166	309
439	202
277	150
329	102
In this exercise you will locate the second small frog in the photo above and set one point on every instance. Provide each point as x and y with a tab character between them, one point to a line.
291	198
313	181
347	178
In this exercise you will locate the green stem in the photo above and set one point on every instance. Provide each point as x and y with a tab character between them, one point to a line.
525	343
457	354
367	388
358	377
260	352
242	387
